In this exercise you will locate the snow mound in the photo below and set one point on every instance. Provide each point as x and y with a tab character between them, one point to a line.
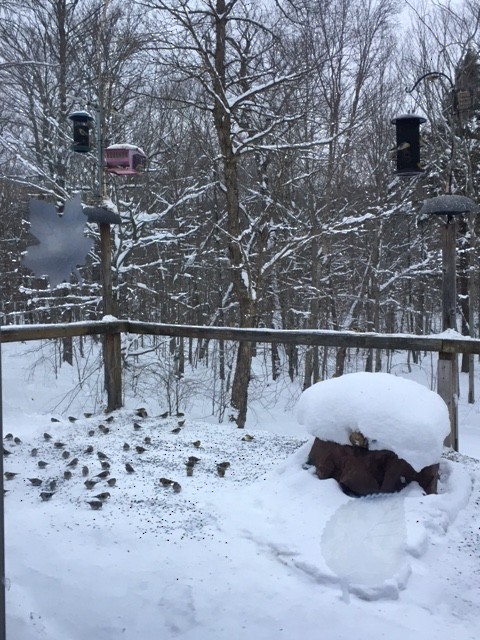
391	412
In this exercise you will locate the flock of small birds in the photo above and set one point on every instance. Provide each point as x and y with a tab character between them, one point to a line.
56	453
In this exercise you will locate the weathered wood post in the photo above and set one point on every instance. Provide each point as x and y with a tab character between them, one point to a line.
447	385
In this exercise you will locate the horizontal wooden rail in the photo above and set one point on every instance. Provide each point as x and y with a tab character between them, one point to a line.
446	343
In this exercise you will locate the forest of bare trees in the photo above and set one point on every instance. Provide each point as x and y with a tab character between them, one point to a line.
269	198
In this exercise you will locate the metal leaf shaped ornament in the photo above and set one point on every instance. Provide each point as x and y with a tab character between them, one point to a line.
62	246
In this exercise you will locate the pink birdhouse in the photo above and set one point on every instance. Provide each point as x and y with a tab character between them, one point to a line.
124	160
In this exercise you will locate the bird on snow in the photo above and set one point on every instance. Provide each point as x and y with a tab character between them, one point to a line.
105	464
129	468
189	469
139	449
247	438
33	452
95	504
90	483
103	496
102	456
89	449
6	452
197	444
65	455
177	487
104	429
164	415
42	464
47	436
224	465
176	430
137	426
181	422
91	432
36	482
72	419
87	415
9	436
193	459
165	481
147	440
221	471
54	420
126	446
52	485
10	475
73	462
110	419
112	482
58	445
103	474
46	495
141	413
67	474
84	471
17	441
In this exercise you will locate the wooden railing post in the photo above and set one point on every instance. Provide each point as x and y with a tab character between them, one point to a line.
112	356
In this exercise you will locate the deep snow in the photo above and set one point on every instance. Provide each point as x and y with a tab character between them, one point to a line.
267	551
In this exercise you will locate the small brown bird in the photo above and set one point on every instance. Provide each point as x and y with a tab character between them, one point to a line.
193	459
141	413
90	483
247	438
189	470
104	429
224	465
180	423
95	504
85	471
9	436
6	452
72	419
42	464
17	441
147	440
46	495
129	468
47	436
73	462
34	452
65	455
10	475
91	432
126	446
179	414
58	445
67	474
102	456
35	481
137	426
105	464
54	420
89	449
103	496
52	485
177	487
221	471
87	415
164	415
197	444
112	482
176	430
139	449
103	474
165	481
110	419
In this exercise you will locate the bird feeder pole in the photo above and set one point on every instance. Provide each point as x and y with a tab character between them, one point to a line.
112	342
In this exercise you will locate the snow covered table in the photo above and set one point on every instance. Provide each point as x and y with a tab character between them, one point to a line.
375	432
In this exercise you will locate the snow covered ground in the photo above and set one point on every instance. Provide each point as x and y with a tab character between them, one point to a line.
267	551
